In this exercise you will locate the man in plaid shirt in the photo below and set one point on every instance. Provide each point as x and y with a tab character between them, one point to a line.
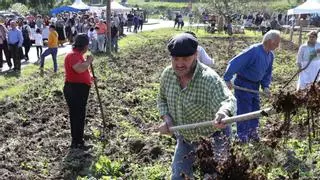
191	92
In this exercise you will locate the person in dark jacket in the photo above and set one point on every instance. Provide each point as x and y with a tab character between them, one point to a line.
114	37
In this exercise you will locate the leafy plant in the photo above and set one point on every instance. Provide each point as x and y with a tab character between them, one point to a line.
105	167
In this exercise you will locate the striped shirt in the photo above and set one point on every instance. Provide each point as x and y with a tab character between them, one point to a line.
205	95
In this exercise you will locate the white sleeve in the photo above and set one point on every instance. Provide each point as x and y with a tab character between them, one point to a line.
204	57
300	55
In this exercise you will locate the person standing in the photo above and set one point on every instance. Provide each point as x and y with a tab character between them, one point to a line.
308	60
76	88
189	92
135	23
253	67
93	39
114	37
15	40
26	32
38	42
60	27
52	48
140	22
101	34
4	46
130	17
39	22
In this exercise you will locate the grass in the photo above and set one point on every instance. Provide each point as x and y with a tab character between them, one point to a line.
13	84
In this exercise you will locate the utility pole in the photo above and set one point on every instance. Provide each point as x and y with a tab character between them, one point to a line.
108	10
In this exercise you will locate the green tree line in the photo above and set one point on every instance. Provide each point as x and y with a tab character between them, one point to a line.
41	5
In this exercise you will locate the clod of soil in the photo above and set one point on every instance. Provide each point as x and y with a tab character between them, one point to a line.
136	145
233	165
156	152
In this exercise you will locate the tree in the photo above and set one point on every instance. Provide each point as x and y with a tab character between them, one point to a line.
20	8
228	7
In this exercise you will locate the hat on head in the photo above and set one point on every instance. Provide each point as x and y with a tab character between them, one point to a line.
81	40
182	45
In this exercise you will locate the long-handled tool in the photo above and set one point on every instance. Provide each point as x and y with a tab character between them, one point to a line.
100	102
228	120
249	90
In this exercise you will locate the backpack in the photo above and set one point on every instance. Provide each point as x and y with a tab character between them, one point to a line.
25	33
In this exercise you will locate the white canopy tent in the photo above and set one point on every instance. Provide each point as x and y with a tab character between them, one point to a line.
78	4
115	6
309	7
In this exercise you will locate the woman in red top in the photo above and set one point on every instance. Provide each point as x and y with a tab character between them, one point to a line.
76	89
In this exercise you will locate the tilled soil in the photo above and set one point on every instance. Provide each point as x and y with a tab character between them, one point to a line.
35	132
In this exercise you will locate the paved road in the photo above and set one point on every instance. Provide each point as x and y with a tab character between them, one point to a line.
151	25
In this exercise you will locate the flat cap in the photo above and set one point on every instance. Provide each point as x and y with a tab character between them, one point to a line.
182	45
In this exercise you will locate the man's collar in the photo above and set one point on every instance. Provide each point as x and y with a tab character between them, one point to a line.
197	70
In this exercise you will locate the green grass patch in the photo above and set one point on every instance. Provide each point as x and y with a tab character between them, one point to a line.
15	84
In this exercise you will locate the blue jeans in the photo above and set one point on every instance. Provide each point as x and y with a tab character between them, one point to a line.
47	52
183	158
101	42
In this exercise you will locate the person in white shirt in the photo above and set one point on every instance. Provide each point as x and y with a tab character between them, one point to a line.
308	60
93	39
116	20
203	57
38	42
53	19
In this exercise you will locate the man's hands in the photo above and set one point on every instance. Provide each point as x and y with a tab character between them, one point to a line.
164	127
217	123
299	67
229	84
267	92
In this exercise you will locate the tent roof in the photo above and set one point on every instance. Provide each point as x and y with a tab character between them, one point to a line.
78	4
309	7
62	9
115	6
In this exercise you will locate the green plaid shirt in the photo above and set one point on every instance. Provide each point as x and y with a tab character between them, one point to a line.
204	96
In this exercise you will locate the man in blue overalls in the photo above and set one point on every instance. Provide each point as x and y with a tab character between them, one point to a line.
253	67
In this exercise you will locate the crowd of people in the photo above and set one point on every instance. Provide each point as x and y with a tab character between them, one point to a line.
18	35
259	21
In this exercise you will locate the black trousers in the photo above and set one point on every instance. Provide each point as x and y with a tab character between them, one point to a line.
4	48
27	46
39	51
15	54
76	95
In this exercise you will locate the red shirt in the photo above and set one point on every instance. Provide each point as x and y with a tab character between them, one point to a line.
71	75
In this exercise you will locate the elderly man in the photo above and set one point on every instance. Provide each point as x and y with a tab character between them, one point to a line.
191	92
254	69
15	40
